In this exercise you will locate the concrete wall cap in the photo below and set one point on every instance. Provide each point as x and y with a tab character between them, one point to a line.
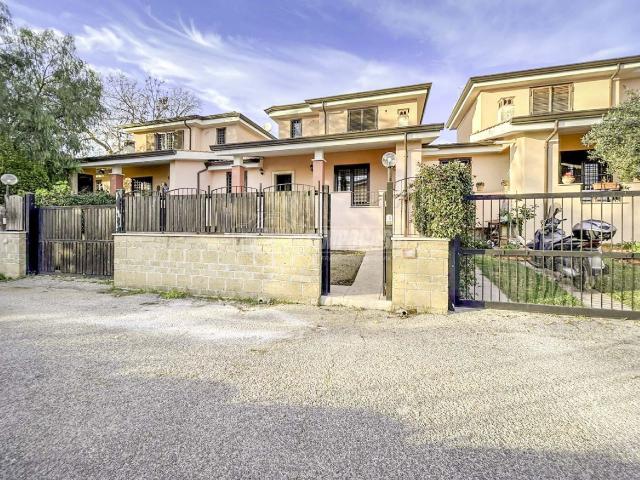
213	236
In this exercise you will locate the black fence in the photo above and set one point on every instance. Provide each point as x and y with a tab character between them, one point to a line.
283	209
573	252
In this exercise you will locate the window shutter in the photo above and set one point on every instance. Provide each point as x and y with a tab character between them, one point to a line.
369	118
561	98
355	120
540	100
151	142
178	141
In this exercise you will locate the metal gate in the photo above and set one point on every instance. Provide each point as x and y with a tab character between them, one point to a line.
76	240
586	261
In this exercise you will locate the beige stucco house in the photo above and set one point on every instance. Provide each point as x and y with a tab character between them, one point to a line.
336	141
521	131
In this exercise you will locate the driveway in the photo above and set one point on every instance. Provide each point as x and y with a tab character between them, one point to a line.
96	385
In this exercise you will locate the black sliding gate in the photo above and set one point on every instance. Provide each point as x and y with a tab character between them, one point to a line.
76	240
587	262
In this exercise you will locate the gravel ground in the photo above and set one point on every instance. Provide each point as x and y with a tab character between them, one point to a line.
98	386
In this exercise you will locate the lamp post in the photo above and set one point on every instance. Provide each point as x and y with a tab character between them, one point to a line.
389	160
8	180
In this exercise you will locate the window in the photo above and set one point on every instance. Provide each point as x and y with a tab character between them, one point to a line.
361	119
403	117
555	98
221	136
283	181
576	165
141	184
169	140
505	109
228	182
296	128
464	160
354	179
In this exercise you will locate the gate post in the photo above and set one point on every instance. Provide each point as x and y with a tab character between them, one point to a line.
387	242
31	225
454	272
120	226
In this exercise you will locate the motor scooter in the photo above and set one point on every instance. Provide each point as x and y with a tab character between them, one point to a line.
586	238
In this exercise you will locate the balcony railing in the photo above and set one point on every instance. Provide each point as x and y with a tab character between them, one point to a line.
365	198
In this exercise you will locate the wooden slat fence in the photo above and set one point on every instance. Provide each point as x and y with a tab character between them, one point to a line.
13	213
249	211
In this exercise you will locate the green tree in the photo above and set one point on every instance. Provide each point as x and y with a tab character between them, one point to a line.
439	206
31	175
616	141
48	95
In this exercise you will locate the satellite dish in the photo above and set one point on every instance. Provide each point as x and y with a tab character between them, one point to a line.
267	126
9	179
389	159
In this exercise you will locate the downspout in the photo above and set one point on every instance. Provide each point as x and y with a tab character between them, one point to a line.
611	79
406	187
324	110
207	164
186	125
546	163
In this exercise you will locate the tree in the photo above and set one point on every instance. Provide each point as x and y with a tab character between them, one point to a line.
48	96
616	141
31	175
125	101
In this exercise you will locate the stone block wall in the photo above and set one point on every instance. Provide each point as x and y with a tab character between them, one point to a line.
13	254
420	277
242	266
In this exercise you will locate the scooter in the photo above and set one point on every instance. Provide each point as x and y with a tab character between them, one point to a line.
587	236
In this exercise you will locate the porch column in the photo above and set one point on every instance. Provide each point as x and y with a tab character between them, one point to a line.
116	180
237	173
318	168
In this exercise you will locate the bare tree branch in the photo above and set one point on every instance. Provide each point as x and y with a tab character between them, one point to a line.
127	101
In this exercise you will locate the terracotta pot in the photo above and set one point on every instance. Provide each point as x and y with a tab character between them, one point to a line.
568	179
479	187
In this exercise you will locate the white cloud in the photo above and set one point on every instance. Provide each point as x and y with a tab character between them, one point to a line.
237	73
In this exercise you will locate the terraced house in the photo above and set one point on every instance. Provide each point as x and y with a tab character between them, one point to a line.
336	141
520	132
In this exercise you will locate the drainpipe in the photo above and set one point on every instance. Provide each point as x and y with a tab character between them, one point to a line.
546	163
186	125
324	110
611	79
207	164
406	187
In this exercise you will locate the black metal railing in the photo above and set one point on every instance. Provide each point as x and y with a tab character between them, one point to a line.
365	198
574	252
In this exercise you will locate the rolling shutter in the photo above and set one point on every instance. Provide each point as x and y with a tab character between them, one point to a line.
369	118
361	119
151	142
561	98
355	120
540	100
178	142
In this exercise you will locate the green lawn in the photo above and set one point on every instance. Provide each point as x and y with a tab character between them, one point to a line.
622	282
522	283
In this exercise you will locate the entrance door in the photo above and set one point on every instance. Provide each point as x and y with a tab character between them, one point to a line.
85	183
283	181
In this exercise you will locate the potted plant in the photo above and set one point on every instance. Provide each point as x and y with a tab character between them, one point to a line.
568	177
479	186
505	185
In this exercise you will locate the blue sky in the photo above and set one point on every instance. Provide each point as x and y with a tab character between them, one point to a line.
247	55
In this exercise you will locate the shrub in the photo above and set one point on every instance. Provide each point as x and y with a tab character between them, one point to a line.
60	195
439	206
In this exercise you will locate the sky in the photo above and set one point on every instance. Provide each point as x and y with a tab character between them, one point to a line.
248	55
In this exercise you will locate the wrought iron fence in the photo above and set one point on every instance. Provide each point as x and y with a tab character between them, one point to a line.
281	209
577	252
